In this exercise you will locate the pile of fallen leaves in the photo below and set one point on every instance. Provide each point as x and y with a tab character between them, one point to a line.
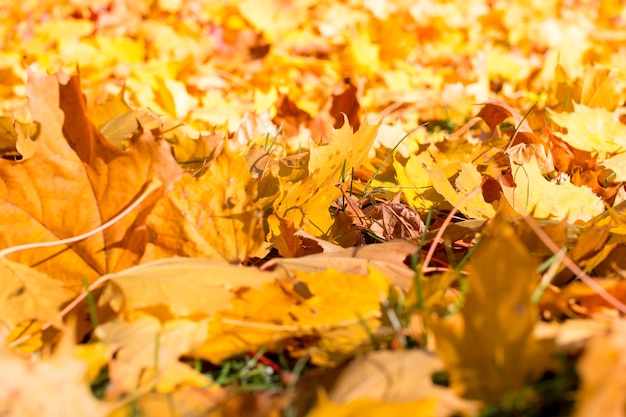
322	208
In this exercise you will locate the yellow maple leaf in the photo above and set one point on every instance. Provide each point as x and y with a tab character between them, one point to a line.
173	97
489	349
362	54
603	382
180	287
468	181
76	182
413	177
533	193
344	151
306	201
216	215
598	87
591	129
332	306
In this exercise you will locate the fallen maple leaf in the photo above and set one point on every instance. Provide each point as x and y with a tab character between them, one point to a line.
532	193
284	237
337	310
27	294
306	202
395	376
489	349
388	258
175	288
591	129
468	185
215	216
75	182
603	381
413	176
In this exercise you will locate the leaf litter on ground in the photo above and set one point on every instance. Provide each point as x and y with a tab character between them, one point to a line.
214	216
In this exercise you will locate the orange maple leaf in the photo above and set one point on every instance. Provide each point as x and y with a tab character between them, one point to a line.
75	182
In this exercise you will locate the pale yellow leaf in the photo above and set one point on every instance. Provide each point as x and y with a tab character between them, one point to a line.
548	200
468	181
616	163
591	129
181	287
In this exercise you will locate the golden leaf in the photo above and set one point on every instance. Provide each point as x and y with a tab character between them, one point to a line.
534	194
74	183
489	349
591	129
215	216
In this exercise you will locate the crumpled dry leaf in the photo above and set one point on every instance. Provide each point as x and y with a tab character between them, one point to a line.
393	220
284	237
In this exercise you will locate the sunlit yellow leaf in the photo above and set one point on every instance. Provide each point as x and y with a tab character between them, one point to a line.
591	129
616	163
173	97
468	181
214	216
489	349
545	199
341	309
180	287
415	181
